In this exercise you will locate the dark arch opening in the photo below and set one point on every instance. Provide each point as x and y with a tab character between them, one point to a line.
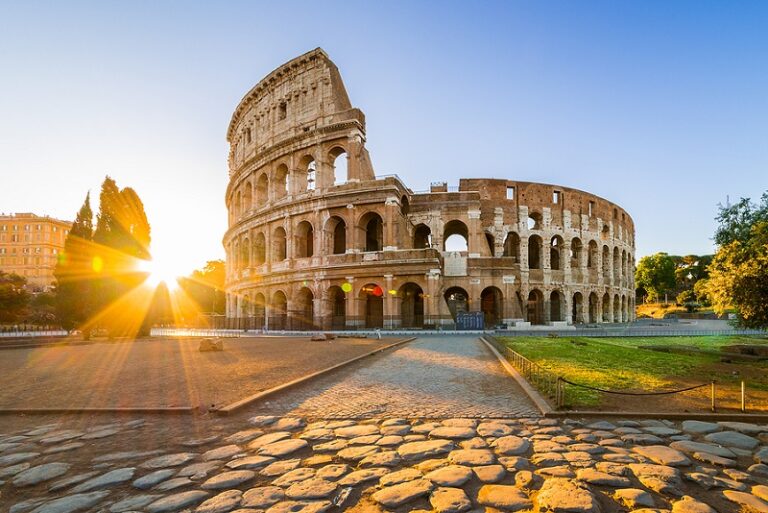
411	298
455	236
534	252
492	306
457	300
373	295
422	237
338	308
535	308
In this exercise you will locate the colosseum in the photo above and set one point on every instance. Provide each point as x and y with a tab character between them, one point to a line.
317	241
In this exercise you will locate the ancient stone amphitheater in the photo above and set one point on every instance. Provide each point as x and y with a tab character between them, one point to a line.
317	240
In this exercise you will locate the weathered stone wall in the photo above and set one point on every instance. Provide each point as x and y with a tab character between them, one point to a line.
333	250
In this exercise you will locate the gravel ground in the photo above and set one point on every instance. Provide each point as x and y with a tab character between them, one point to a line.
163	372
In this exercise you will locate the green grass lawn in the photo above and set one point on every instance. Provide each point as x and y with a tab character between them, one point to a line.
618	364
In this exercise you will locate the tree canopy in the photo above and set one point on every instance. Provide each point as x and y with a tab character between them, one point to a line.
13	297
656	275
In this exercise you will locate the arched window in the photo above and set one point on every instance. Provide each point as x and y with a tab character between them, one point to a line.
422	237
245	253
555	249
312	176
492	306
592	255
338	302
535	311
373	295
247	197
279	245
278	311
576	253
280	182
262	190
411	298
337	229
534	221
457	300
455	236
534	252
372	226
606	263
259	249
340	161
305	235
555	306
512	246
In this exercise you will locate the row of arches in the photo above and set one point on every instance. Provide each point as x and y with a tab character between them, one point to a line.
273	185
408	302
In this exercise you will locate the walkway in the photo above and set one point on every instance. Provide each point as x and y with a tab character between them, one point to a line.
435	377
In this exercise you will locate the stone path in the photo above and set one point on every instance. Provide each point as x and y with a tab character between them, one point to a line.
429	377
288	464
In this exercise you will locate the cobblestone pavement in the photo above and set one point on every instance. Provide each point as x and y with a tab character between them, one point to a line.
291	465
435	377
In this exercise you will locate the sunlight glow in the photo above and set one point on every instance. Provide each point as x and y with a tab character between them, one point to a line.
159	271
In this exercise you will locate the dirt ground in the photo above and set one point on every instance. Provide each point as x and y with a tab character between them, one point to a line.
163	372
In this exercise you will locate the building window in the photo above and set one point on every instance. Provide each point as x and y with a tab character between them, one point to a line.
248	135
591	208
282	112
510	193
556	197
311	176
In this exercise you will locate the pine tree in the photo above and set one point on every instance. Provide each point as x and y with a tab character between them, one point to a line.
74	269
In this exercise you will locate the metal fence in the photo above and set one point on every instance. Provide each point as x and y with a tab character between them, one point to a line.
31	331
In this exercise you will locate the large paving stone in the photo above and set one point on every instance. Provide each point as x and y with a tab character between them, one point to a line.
663	455
698	427
399	494
659	478
289	424
503	497
761	456
596	477
314	488
355	431
169	460
294	476
280	467
744	427
358	452
381	459
495	429
490	473
177	501
133	503
733	439
71	503
244	436
333	472
449	500
472	457
452	432
401	476
360	476
17	457
689	447
512	445
66	482
563	495
221	503
425	449
200	470
283	447
111	478
222	453
40	473
250	462
267	439
153	478
300	507
634	498
747	500
13	469
690	505
452	475
262	497
228	479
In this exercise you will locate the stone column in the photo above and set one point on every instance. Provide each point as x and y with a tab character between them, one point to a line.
352	230
389	304
431	305
352	319
475	237
391	213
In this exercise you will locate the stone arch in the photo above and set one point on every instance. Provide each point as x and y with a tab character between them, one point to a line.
534	252
606	263
616	308
371	228
336	235
405	205
305	240
245	253
238	204
616	266
458	233
624	313
338	307
534	221
279	245
248	197
577	308
605	233
305	176
262	190
339	159
490	240
556	306
492	306
259	310
280	182
411	297
594	302
304	316
512	246
535	307
422	237
577	253
259	249
278	308
606	307
555	253
372	297
457	300
236	255
592	254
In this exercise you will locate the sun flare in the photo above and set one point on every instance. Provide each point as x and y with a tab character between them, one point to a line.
158	272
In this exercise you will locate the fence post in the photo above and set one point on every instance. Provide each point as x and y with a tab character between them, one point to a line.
713	397
743	398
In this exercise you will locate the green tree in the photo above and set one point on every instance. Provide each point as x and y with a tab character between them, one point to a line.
701	291
736	221
206	287
14	297
738	276
74	271
656	274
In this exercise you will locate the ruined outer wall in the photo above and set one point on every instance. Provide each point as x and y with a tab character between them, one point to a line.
300	228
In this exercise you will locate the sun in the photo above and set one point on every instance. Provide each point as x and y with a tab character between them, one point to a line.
159	271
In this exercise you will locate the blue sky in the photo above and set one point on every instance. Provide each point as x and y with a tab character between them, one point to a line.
658	106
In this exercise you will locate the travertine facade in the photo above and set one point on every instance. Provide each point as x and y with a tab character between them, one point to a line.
30	245
315	239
